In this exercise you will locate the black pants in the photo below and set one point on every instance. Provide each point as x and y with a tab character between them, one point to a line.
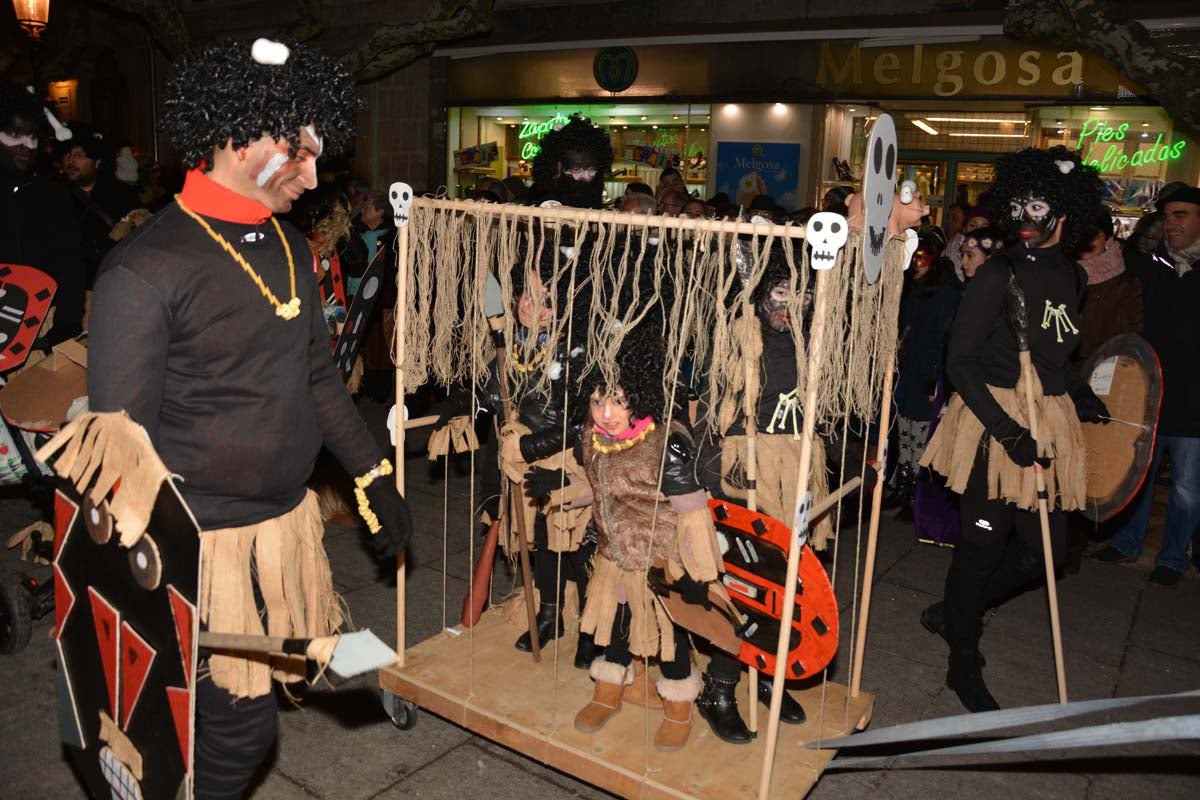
618	652
549	575
233	737
998	556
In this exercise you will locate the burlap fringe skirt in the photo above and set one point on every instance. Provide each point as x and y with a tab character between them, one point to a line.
650	630
953	449
778	463
565	527
286	558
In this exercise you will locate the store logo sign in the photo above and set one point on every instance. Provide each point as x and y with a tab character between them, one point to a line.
1095	133
615	68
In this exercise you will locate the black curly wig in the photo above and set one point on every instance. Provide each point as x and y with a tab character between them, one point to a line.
221	93
17	101
640	365
576	141
1074	193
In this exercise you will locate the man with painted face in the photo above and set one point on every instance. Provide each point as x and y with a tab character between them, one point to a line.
1043	199
207	329
570	167
37	223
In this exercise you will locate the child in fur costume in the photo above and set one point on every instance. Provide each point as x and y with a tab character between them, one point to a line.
649	513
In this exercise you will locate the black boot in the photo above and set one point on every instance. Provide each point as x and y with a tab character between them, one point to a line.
718	706
933	619
902	485
790	711
965	677
549	626
586	651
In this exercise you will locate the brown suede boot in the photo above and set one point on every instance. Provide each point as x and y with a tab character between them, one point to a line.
610	681
641	692
678	697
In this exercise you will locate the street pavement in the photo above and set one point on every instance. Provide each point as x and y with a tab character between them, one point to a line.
1121	637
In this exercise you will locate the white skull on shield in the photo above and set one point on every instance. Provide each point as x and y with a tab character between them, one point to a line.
826	234
401	196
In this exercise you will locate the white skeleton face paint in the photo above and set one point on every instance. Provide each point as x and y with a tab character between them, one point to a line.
1033	218
273	165
318	140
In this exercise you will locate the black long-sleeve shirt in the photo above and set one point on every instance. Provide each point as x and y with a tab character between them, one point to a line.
983	350
237	400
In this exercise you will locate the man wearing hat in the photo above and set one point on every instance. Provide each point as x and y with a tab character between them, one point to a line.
1171	284
100	199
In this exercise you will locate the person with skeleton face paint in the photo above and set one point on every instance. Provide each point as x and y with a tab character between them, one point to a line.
38	224
571	165
207	329
1043	201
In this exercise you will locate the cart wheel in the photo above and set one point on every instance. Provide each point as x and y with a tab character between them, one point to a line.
403	713
16	620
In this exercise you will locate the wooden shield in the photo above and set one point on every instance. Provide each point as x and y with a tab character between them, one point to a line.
1126	375
755	549
126	632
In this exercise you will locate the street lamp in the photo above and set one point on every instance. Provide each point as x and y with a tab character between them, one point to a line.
32	16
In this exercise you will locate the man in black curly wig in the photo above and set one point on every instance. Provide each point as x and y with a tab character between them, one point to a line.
1043	201
207	329
571	165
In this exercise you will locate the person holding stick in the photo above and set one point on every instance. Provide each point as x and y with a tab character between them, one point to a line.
1043	199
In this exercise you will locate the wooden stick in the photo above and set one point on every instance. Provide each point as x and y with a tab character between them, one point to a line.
420	422
864	611
751	391
241	642
1044	518
516	511
815	353
821	507
404	269
565	214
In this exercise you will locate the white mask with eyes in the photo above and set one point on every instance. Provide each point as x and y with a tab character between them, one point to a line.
879	186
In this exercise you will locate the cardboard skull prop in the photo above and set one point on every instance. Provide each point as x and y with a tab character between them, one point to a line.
400	195
826	234
879	187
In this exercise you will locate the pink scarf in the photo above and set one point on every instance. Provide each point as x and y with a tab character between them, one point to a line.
633	430
1105	266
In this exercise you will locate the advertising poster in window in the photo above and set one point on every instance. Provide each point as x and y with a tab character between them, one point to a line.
747	169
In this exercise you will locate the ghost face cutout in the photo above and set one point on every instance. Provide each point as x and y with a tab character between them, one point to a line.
879	187
826	235
401	196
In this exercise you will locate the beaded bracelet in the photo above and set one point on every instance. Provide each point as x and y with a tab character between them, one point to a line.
382	469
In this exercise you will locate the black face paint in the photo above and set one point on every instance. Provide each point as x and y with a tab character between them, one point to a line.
773	309
1033	219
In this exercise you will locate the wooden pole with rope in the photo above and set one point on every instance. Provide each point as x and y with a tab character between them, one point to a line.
749	403
402	275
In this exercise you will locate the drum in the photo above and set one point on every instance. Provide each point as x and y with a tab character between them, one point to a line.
1126	375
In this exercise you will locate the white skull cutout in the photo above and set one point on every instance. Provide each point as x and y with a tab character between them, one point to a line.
826	235
401	196
879	187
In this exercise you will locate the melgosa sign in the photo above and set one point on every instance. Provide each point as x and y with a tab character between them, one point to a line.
991	68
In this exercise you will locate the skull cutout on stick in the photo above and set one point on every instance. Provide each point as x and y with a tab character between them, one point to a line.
879	187
826	234
401	196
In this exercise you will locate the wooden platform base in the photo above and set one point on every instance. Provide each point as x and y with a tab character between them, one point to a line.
479	681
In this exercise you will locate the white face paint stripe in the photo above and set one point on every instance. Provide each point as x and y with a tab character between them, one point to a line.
312	132
12	141
275	163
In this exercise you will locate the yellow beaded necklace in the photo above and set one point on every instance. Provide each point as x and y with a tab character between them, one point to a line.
288	310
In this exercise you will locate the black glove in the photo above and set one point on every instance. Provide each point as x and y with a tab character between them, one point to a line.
1089	407
692	591
1022	449
458	404
540	481
395	521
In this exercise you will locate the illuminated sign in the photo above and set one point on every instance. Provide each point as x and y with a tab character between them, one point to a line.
532	133
1096	132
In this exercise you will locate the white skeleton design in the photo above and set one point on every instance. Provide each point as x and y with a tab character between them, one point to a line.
788	405
1061	320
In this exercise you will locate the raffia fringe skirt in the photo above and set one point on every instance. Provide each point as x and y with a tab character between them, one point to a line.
565	527
650	630
778	463
954	446
286	557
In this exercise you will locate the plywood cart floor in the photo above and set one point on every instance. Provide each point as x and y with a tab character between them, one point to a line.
511	700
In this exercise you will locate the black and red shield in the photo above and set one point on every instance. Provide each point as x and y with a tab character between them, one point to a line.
126	631
25	295
755	549
357	317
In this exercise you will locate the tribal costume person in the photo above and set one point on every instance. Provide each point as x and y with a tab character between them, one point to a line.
207	328
650	514
1043	199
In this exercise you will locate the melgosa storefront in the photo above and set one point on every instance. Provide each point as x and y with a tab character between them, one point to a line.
791	118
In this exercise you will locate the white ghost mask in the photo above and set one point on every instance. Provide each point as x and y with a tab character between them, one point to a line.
879	187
